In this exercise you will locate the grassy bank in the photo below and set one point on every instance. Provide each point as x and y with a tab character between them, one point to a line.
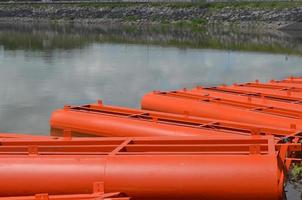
196	15
201	4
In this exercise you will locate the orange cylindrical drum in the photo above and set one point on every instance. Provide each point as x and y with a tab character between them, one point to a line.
164	103
145	177
296	109
92	124
267	91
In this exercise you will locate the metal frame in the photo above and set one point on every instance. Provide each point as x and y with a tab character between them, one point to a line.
183	120
285	96
248	105
98	194
121	146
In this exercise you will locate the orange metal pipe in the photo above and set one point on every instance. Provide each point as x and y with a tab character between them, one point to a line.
273	106
265	91
90	124
264	96
144	168
164	102
100	120
245	102
277	85
283	86
293	80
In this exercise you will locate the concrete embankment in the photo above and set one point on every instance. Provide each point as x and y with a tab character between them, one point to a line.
269	16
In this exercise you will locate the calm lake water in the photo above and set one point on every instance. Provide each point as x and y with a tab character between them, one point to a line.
43	67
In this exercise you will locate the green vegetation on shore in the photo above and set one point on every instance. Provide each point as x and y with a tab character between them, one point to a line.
297	171
241	5
193	15
166	36
198	4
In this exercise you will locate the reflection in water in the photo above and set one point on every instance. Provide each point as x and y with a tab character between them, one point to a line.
46	66
50	36
292	192
35	83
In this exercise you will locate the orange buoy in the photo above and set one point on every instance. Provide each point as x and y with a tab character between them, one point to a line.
268	92
293	80
158	168
262	95
101	120
277	85
261	104
172	102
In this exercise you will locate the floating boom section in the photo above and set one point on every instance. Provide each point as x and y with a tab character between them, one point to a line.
101	120
281	106
245	102
264	96
293	79
277	85
290	92
220	109
158	168
286	95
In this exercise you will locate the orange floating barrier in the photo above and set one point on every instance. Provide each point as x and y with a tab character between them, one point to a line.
101	120
293	79
277	85
263	96
286	95
220	109
245	102
158	168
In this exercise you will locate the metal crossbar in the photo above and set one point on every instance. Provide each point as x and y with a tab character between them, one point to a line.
181	120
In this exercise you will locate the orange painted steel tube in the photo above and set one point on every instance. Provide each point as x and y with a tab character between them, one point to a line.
284	108
277	85
278	94
293	80
244	102
167	102
144	168
100	120
264	96
85	124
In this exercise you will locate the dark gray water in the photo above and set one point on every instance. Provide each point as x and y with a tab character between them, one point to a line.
43	67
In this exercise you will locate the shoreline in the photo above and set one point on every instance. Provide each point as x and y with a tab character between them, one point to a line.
191	15
180	23
224	40
209	37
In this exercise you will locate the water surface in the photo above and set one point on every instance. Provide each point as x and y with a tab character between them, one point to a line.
43	67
